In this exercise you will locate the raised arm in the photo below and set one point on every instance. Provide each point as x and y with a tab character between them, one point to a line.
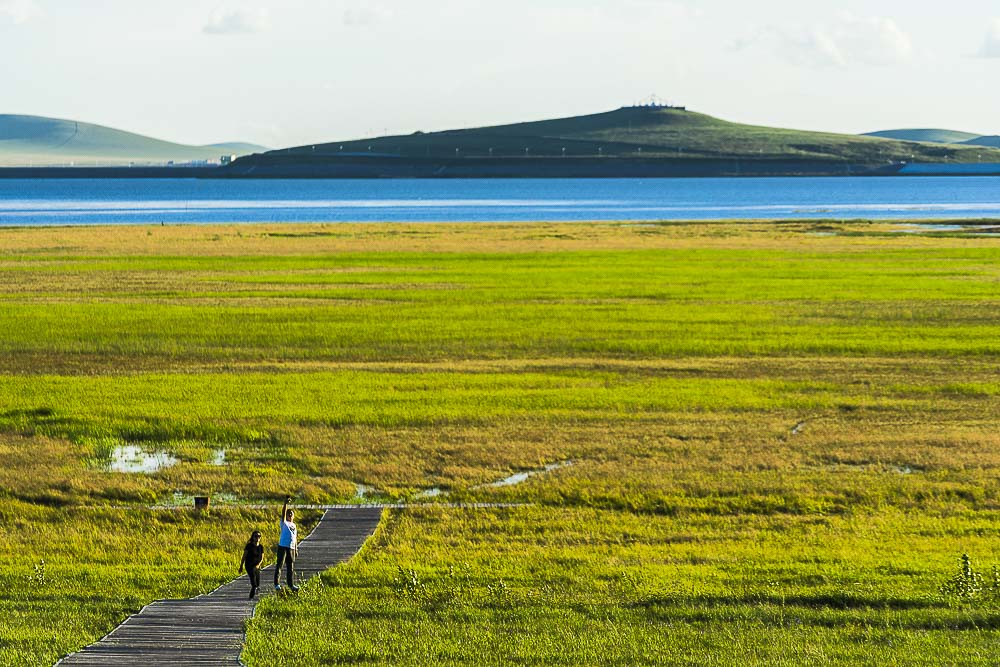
284	508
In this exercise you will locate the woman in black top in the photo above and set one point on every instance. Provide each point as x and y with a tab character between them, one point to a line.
253	556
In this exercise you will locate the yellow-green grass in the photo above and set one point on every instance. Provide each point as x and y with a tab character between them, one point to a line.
561	586
778	443
71	574
674	429
732	292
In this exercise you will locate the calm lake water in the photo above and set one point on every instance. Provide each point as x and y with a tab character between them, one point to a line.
74	202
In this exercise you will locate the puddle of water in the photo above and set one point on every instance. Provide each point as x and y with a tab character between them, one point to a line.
218	457
871	467
134	459
921	229
518	478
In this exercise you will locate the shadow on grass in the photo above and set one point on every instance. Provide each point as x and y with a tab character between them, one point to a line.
835	601
830	611
29	421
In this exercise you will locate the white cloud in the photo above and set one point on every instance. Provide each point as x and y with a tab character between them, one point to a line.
648	9
874	41
366	15
811	47
19	11
991	43
849	40
237	22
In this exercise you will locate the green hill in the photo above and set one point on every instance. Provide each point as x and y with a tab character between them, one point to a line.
646	132
37	140
992	141
940	137
929	135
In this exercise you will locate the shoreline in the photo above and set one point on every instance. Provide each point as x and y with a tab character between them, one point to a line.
276	168
974	226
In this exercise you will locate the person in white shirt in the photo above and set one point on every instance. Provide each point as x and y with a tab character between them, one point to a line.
287	547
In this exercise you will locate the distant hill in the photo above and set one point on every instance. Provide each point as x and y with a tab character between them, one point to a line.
237	148
993	141
930	135
37	140
643	131
940	137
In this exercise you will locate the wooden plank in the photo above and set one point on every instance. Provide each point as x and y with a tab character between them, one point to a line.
208	629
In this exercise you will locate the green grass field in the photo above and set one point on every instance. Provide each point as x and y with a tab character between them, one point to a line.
765	446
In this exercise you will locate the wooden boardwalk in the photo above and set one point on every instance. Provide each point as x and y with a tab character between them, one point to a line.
208	629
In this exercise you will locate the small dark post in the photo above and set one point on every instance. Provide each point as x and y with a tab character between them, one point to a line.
201	502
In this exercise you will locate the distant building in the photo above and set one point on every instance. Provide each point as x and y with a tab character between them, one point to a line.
654	102
657	106
226	159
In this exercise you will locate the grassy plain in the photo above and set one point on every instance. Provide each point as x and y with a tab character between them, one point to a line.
779	442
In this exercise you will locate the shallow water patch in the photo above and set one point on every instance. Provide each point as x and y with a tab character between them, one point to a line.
918	228
135	459
877	468
521	477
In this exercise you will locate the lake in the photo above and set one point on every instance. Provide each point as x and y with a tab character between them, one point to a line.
121	201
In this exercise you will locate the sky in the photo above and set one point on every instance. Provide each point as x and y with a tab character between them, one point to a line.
307	71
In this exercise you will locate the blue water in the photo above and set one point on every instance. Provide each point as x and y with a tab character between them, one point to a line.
72	202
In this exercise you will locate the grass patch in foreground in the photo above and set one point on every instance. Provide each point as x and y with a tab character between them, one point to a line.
70	575
570	587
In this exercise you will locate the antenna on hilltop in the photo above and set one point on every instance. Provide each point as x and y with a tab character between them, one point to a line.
656	102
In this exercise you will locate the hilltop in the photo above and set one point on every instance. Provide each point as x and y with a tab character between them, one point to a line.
644	131
38	140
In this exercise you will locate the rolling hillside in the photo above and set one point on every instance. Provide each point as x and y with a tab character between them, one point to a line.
941	137
933	136
992	141
644	132
38	141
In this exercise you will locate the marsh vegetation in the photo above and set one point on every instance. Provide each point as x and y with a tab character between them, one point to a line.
781	443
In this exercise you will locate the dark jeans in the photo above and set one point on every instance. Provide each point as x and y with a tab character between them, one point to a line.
287	556
254	575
